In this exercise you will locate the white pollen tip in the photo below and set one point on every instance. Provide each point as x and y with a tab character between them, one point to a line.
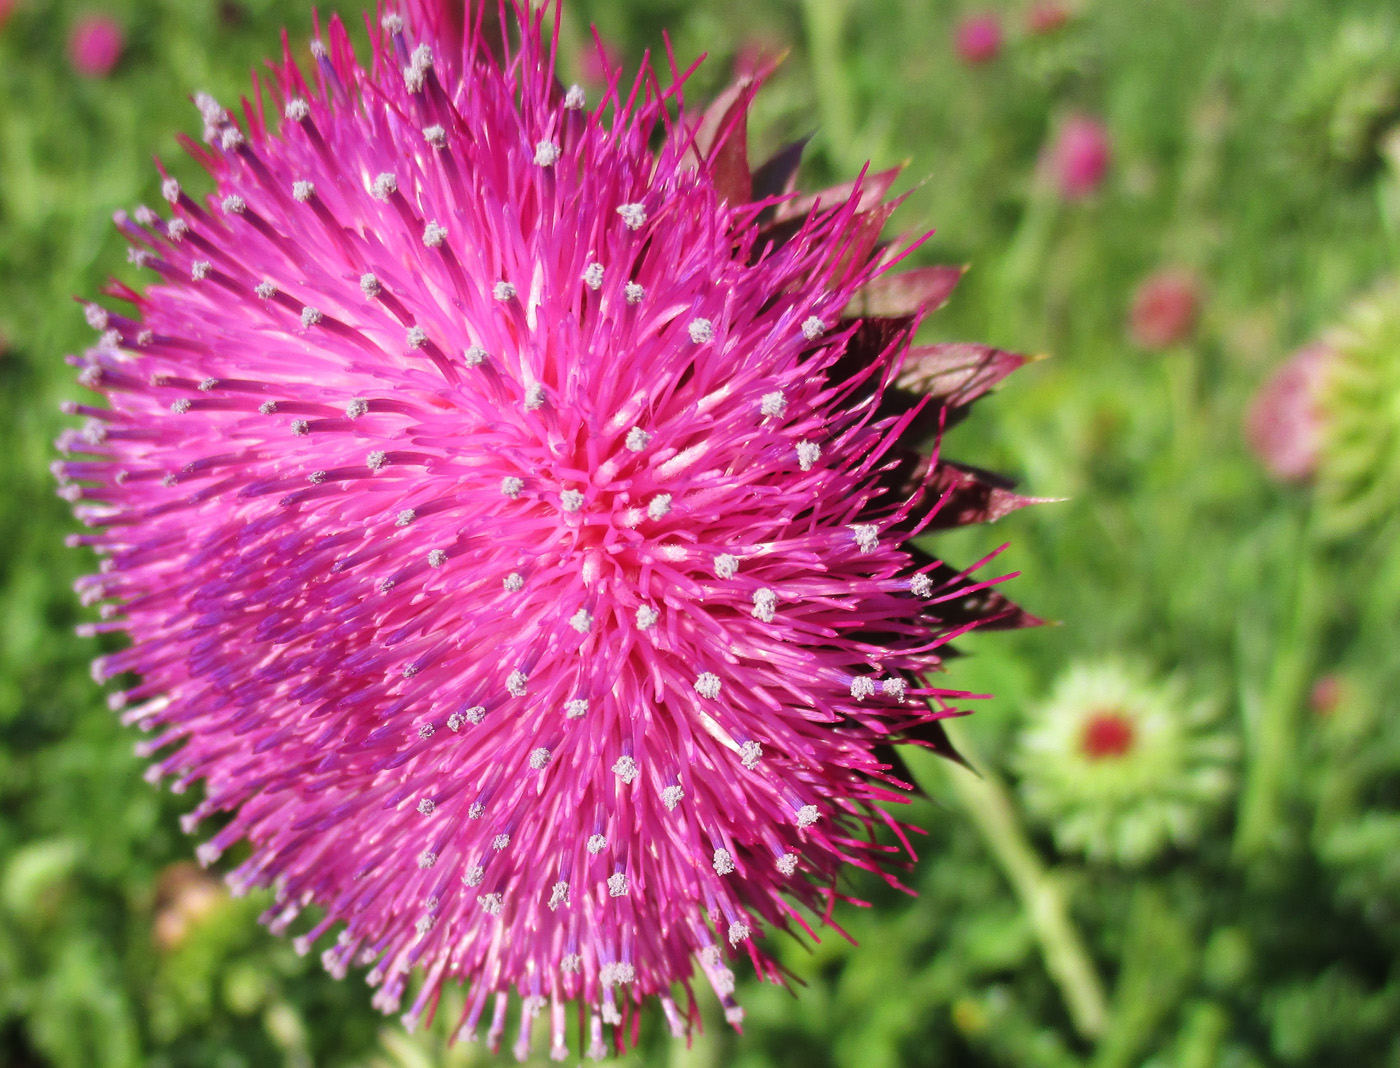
701	331
300	427
787	863
867	536
634	293
235	204
416	337
723	862
571	500
596	844
473	875
534	398
427	859
593	276
170	190
514	582
356	408
807	815
546	154
862	687
894	687
750	753
491	904
813	328
376	460
808	453
297	110
617	884
511	486
435	135
558	895
575	99
582	621
318	48
708	685
311	316
738	931
671	797
434	235
726	566
921	585
647	617
303	191
265	290
503	291
231	138
437	558
765	604
634	215
391	23
200	269
660	506
637	439
773	405
626	769
515	683
539	758
576	708
383	186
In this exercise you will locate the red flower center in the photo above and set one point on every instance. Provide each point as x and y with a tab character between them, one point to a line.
1107	734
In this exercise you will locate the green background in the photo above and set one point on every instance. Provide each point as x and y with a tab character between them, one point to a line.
1249	148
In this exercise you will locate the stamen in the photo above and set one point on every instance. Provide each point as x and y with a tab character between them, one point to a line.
593	276
813	328
303	191
701	331
617	884
708	685
726	566
539	758
546	154
634	215
765	603
807	815
921	585
773	405
867	536
574	99
647	617
369	285
637	439
808	452
514	582
660	506
633	292
596	844
576	708
626	769
434	234
723	862
515	683
862	687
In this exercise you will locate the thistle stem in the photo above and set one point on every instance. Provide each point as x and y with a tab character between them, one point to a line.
988	802
1273	742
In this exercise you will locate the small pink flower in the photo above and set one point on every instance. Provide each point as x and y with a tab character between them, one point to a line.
1080	156
95	45
1284	425
7	8
1046	17
1327	695
1165	308
979	39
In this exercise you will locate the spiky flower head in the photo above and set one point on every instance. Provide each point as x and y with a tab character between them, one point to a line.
1357	396
1120	766
511	519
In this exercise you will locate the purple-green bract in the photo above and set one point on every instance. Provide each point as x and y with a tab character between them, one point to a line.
511	521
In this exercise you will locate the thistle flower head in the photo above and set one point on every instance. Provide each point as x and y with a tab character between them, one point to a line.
1120	767
1356	393
508	499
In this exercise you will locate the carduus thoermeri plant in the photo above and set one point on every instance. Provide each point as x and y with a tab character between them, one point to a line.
508	500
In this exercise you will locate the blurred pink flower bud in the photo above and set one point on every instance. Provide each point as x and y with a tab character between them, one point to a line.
1164	309
1283	424
979	39
1080	157
7	8
1326	695
597	60
95	45
1046	17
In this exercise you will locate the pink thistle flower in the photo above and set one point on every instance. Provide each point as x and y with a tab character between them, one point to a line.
1080	157
1165	308
511	522
1284	423
95	44
1046	17
979	39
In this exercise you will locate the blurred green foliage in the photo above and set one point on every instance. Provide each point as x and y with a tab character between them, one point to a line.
1248	141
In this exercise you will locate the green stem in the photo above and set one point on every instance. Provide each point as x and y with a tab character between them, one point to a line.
826	23
1273	741
989	804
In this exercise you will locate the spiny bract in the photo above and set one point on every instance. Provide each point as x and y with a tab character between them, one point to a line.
510	520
